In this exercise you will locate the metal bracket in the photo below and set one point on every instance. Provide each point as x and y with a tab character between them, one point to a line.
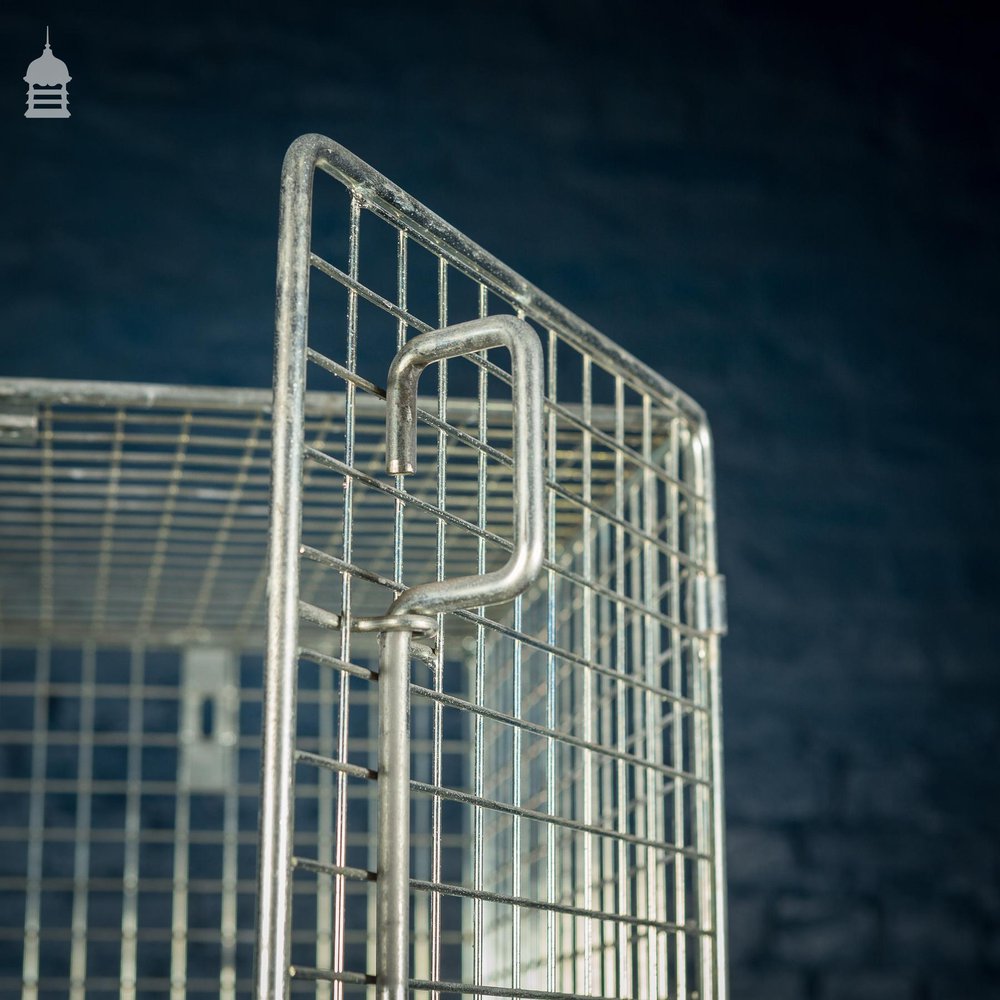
710	604
422	628
419	626
209	719
19	423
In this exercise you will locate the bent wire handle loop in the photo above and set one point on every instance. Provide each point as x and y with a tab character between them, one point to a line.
527	368
392	946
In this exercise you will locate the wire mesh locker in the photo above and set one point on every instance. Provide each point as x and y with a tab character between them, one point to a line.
561	785
590	792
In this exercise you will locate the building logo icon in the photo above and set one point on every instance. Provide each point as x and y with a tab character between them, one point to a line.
47	79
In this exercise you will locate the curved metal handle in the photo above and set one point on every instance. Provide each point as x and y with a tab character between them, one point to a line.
524	565
527	368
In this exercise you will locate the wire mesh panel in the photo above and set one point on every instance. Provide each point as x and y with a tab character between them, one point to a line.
133	526
565	813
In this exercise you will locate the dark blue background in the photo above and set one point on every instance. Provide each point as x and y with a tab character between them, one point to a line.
795	216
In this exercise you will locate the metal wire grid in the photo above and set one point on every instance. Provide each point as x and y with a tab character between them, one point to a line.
143	508
122	517
133	525
119	879
627	863
588	804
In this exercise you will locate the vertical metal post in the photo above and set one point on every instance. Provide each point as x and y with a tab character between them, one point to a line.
393	886
276	831
704	470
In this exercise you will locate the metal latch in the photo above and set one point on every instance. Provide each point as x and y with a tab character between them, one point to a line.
18	422
710	603
209	720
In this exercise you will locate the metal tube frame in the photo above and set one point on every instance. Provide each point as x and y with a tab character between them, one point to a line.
272	955
308	153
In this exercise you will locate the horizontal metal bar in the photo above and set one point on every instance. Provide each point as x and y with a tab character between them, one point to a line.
319	868
368	294
555	734
149	395
101	401
68	786
165	836
96	883
551	819
335	663
206	935
336	465
564	654
159	985
468	989
467	798
340	766
430	985
328	976
425	415
524	902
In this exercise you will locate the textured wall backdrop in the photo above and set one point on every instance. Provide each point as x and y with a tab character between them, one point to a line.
795	215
